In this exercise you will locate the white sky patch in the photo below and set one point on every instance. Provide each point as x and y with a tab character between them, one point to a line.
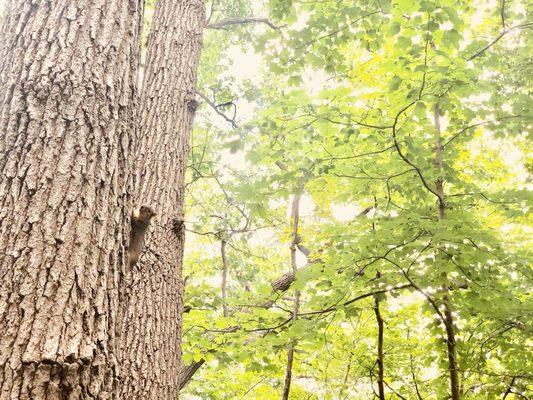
236	161
247	64
480	6
345	212
315	81
213	280
301	22
402	301
301	260
307	206
262	237
510	154
430	373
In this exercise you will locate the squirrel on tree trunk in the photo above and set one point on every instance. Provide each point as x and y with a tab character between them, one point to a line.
140	220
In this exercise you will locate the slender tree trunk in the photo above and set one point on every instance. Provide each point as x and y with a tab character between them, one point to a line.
379	319
68	71
448	316
345	380
225	268
295	220
153	314
415	381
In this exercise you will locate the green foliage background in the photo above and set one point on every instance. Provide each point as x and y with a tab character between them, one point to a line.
343	98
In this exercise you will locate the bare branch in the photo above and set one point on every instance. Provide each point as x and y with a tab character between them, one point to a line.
394	391
188	371
215	107
253	386
224	23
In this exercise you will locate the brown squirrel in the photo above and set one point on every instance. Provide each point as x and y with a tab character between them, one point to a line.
140	219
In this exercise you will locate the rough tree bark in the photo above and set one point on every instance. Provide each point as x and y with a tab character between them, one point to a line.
152	323
68	71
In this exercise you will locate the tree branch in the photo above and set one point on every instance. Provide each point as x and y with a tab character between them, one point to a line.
187	372
509	389
361	297
215	108
498	38
402	155
476	125
224	23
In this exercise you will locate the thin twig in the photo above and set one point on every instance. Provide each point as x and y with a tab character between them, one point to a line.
476	125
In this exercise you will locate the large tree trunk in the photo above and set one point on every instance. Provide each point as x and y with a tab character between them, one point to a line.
68	71
152	324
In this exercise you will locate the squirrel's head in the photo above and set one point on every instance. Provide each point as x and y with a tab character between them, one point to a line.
143	213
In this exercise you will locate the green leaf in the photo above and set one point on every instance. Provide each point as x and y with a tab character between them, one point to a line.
395	83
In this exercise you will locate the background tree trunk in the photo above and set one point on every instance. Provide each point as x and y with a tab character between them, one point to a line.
152	324
68	71
381	374
451	344
295	221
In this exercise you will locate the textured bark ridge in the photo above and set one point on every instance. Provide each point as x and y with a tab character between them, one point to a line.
152	323
68	71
